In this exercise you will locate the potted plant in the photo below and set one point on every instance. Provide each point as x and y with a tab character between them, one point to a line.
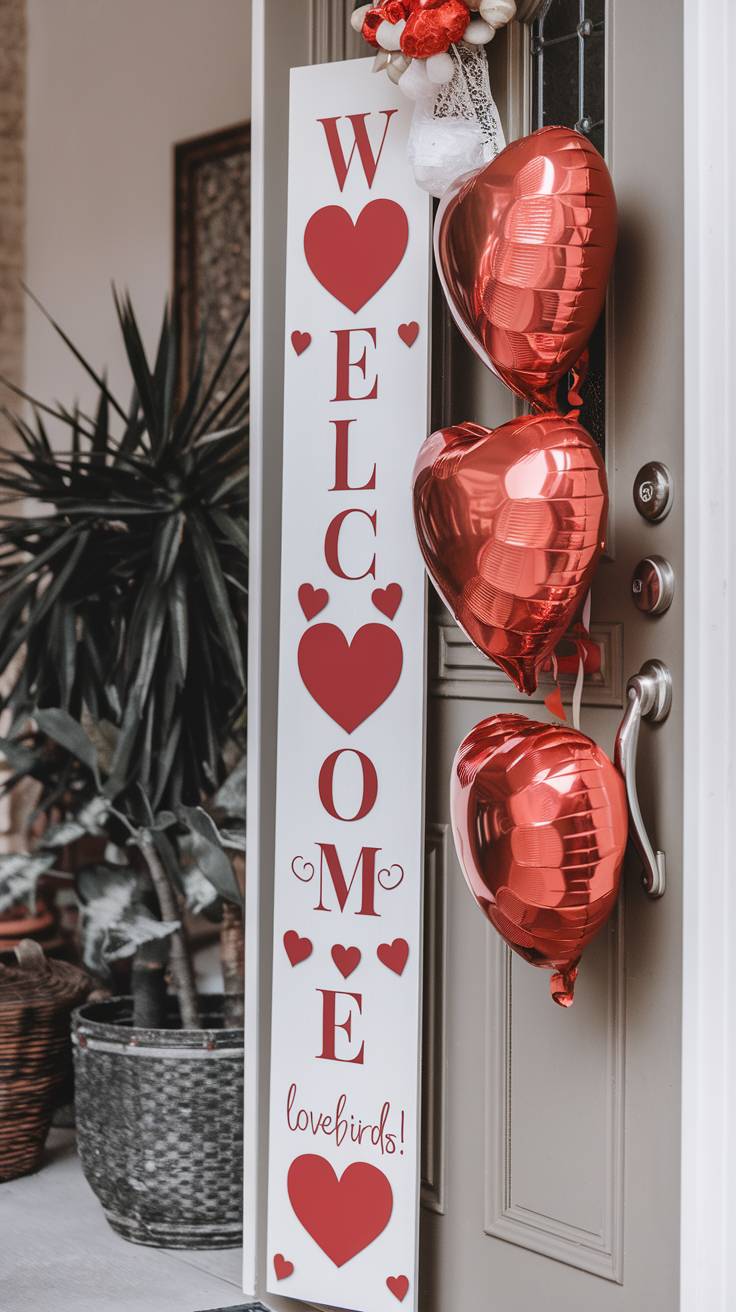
127	592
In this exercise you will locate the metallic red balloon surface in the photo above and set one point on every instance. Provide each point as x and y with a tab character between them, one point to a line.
524	249
511	523
540	824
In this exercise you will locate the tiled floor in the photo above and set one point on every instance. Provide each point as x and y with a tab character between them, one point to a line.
58	1254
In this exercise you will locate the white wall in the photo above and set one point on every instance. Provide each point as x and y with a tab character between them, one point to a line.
112	84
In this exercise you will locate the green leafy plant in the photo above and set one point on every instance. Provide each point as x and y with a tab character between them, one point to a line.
126	587
129	907
123	614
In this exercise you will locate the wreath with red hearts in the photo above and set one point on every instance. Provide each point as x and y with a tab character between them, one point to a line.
404	30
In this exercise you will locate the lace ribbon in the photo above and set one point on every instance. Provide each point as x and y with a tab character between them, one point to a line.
458	130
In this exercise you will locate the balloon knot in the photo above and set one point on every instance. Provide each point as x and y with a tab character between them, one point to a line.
562	986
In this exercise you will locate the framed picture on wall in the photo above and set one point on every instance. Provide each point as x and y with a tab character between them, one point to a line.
212	247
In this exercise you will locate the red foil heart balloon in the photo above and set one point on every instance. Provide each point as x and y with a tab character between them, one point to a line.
524	249
511	523
540	824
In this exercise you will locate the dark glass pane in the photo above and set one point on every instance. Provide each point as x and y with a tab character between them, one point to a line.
557	48
560	84
561	18
594	84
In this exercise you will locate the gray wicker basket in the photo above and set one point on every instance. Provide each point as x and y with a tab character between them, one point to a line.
160	1125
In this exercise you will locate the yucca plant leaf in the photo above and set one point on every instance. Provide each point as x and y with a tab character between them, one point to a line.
216	591
19	876
116	921
179	622
221	367
76	353
166	546
68	733
208	854
17	757
129	597
32	566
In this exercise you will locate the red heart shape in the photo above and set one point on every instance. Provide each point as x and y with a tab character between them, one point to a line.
387	599
346	959
408	332
540	825
353	261
350	680
282	1267
511	523
394	955
343	1216
398	1286
524	249
312	600
297	949
300	341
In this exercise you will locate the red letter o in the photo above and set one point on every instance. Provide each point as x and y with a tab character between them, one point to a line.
326	785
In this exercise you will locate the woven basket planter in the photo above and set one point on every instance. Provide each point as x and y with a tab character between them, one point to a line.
160	1125
36	1000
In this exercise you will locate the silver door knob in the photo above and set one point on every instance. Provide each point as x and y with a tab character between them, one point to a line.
649	696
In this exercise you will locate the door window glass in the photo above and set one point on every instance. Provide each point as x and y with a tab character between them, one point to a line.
568	88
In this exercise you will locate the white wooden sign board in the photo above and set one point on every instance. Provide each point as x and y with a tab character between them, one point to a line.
344	1112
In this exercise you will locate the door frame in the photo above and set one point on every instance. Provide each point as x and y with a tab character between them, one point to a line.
708	1208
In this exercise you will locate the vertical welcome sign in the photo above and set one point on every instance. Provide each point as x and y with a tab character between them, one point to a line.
344	1112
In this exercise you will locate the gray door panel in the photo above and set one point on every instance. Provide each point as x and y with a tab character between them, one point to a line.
561	1128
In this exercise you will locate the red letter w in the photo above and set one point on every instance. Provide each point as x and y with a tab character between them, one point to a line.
361	140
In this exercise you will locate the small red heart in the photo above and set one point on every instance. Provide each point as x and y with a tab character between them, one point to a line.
346	959
388	599
283	1268
300	341
297	949
394	955
399	1286
408	332
312	600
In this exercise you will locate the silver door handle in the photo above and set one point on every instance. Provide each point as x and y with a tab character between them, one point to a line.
649	696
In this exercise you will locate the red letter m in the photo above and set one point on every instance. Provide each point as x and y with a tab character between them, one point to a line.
361	141
366	863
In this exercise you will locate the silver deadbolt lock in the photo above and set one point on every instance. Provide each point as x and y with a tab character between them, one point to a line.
653	585
653	491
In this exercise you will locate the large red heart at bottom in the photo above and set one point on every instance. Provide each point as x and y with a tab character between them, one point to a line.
540	824
343	1215
524	249
511	523
350	680
352	261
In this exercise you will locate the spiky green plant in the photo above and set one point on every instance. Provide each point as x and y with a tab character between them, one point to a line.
125	586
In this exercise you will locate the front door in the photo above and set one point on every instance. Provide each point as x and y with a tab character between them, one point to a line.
551	1136
551	1140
